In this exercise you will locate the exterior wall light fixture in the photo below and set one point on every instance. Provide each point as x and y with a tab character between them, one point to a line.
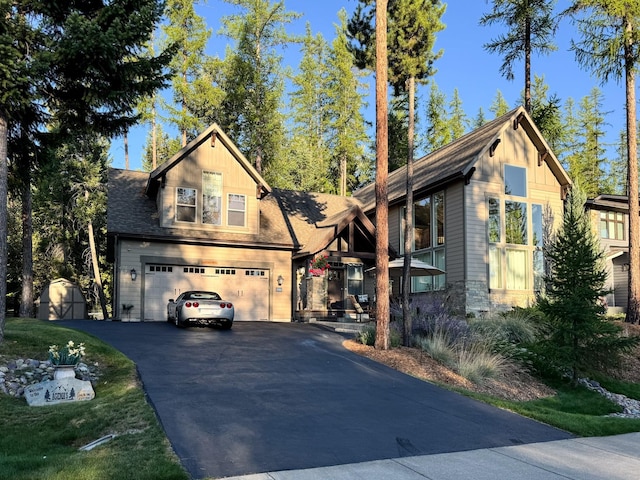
134	274
280	280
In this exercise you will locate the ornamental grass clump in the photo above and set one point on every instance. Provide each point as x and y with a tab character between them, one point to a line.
70	354
479	365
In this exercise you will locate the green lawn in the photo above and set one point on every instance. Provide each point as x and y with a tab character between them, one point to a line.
44	442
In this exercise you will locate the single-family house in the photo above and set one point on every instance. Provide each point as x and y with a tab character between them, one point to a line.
609	215
205	219
483	206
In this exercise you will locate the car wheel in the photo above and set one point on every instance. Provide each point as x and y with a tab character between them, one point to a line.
226	326
176	321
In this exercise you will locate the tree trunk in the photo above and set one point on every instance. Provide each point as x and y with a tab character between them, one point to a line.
343	175
26	299
408	229
96	272
633	305
4	176
126	150
381	187
154	140
527	65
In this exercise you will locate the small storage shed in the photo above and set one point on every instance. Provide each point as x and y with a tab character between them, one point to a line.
62	300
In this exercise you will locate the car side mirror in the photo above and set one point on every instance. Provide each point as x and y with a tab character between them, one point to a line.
171	300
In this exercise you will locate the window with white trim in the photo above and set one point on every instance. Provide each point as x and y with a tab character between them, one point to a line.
186	204
211	198
236	210
515	232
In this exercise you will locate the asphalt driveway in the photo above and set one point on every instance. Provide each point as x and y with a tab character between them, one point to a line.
270	396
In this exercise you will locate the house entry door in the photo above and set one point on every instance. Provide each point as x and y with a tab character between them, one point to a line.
336	288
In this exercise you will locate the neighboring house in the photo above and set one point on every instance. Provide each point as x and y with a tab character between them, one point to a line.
206	219
609	216
483	206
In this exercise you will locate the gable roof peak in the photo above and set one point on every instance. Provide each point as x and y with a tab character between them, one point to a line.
215	134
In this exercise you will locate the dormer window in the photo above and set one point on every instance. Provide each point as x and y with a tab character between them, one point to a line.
186	204
237	208
211	198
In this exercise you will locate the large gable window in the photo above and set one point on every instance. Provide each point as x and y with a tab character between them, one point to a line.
515	232
186	204
211	198
515	181
237	210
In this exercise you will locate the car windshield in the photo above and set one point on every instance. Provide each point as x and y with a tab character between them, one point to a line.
202	296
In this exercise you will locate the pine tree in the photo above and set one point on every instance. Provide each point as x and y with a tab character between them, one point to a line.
348	134
438	133
253	81
545	112
577	336
499	106
609	47
186	30
55	81
531	25
457	117
305	165
586	164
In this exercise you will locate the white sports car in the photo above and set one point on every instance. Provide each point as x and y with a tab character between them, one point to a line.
200	309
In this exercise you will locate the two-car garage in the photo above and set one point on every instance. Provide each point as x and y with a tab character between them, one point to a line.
246	288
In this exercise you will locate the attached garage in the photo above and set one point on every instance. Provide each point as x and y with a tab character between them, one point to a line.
247	288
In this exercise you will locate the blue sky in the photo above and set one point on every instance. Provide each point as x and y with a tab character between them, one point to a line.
465	65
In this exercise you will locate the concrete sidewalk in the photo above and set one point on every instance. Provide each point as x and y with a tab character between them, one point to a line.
598	458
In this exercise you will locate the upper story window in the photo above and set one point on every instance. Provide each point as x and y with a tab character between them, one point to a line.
515	181
186	204
212	198
236	210
612	225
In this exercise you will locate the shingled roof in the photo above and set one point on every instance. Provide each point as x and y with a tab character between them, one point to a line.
131	213
456	160
301	221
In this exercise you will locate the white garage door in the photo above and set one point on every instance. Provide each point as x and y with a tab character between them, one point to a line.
246	288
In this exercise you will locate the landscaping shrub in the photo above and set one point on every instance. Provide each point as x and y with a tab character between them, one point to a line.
438	346
477	364
507	333
368	335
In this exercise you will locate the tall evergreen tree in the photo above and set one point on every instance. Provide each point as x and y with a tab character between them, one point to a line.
348	133
499	106
610	47
577	336
68	43
305	166
254	82
458	119
546	112
479	120
382	178
438	133
186	30
531	27
413	26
